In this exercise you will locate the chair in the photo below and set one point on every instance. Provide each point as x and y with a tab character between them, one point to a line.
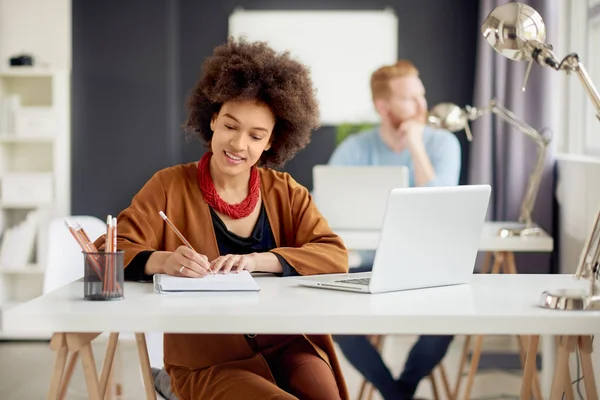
63	258
367	390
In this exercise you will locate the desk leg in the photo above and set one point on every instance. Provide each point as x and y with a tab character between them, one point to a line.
461	366
585	354
529	369
487	261
80	343
499	259
89	370
562	375
474	365
111	349
140	339
68	374
58	343
548	361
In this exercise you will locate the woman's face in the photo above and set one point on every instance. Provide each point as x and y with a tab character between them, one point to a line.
241	133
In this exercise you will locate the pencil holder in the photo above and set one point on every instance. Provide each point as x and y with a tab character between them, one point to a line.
103	277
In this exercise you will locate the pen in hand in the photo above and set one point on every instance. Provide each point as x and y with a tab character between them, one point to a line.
183	239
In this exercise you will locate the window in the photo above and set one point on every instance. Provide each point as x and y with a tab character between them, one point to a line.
582	126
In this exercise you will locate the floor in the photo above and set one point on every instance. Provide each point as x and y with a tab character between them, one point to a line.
25	370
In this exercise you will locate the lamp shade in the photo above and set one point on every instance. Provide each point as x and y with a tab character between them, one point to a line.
508	27
447	116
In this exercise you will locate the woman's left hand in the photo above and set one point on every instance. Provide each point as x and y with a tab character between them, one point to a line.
233	263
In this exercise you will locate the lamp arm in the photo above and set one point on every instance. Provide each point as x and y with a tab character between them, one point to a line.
543	55
517	122
535	178
572	63
533	187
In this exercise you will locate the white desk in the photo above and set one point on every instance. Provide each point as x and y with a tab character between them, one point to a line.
492	304
490	241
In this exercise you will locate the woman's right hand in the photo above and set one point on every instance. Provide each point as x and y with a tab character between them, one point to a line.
186	262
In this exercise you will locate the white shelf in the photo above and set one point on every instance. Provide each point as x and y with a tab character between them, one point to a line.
27	72
34	175
31	269
12	138
23	206
35	140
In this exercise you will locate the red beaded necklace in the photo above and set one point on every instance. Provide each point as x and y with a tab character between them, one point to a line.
213	199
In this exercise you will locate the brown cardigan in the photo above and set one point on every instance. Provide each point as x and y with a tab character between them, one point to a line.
303	239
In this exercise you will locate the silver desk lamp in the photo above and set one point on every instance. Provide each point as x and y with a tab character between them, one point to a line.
452	117
518	32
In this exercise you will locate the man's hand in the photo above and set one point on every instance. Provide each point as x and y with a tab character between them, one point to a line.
412	130
413	134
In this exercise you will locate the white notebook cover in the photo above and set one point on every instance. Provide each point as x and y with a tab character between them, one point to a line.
241	281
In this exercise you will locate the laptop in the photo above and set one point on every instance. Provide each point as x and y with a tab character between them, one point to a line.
357	191
430	237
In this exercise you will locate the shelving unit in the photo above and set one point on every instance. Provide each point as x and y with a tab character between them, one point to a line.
34	174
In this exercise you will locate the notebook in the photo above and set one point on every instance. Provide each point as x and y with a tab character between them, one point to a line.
241	281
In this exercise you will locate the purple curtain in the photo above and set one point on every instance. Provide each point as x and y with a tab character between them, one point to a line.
501	155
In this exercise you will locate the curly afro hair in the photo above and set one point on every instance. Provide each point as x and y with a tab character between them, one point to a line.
242	70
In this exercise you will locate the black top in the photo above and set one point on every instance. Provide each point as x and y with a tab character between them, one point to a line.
261	240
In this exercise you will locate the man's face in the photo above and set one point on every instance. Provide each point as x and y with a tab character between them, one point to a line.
406	101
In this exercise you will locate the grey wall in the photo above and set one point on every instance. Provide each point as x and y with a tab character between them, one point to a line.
135	61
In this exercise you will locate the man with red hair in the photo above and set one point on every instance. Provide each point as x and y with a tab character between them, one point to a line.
433	159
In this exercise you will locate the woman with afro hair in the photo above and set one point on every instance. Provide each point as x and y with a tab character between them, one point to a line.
255	109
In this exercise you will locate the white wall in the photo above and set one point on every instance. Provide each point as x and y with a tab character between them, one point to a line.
578	195
39	27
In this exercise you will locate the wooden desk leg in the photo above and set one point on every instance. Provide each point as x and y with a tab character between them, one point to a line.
461	366
562	376
111	349
80	344
474	365
434	386
585	354
58	343
68	374
89	370
510	267
498	262
140	339
487	261
529	369
445	382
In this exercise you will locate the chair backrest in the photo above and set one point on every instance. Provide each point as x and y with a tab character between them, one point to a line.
64	261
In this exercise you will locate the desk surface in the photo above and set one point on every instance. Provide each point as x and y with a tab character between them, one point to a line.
490	241
491	304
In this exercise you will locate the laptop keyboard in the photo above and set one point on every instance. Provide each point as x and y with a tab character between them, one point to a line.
357	281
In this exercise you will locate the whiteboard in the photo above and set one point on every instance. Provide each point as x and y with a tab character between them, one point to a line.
342	49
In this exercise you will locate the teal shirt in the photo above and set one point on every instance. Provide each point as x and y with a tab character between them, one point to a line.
367	148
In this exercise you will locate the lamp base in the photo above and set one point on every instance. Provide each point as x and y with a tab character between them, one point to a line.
567	299
511	232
